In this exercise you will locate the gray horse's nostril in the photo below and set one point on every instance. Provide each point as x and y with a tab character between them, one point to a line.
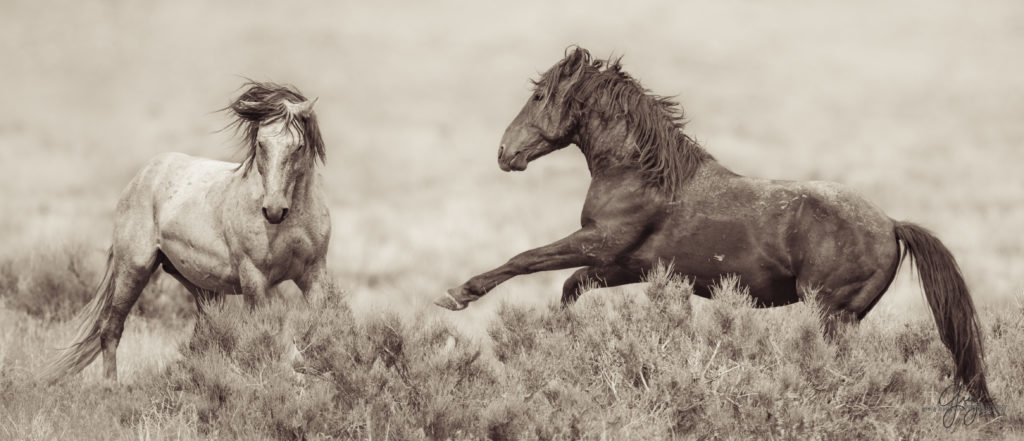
275	217
501	150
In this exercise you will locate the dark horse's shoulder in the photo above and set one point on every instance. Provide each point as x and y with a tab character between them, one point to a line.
621	200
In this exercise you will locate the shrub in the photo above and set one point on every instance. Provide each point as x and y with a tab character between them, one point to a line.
357	378
625	369
55	283
52	283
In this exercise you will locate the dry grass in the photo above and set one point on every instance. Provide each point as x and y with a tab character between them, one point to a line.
660	366
917	105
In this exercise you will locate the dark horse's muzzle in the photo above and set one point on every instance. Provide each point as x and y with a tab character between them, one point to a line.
512	160
514	152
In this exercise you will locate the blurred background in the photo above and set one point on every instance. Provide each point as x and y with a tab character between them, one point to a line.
918	105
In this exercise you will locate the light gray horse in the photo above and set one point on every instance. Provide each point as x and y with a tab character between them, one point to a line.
217	227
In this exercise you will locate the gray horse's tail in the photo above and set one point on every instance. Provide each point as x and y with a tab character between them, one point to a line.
951	306
86	345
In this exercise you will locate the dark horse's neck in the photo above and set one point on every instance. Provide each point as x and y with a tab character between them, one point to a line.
598	143
612	144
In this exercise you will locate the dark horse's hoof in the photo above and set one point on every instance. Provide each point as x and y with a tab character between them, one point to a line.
448	301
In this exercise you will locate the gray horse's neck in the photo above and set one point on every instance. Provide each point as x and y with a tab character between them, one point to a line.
302	196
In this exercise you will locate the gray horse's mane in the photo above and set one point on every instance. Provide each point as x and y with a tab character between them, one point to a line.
263	102
666	156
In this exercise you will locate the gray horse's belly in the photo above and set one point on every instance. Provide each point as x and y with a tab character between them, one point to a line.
203	269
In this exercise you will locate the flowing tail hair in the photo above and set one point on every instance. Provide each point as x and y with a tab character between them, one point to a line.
86	345
951	305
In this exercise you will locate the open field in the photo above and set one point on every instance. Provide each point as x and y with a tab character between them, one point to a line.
917	105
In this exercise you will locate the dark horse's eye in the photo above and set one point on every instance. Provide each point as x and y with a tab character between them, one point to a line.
538	96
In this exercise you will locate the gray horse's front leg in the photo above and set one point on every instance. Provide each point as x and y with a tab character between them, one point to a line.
254	283
315	282
314	285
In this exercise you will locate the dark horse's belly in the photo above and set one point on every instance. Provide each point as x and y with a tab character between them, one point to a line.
767	292
707	249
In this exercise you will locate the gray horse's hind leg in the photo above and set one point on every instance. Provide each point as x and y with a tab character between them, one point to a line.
600	277
134	255
132	269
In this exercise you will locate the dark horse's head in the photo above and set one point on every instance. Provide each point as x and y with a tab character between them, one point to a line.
548	120
282	139
609	114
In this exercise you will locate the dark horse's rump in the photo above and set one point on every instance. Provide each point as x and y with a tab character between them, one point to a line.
656	195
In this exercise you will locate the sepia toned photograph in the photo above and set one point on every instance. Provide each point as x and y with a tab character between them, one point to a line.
529	220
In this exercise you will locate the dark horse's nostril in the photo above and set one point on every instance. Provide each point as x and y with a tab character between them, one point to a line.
501	149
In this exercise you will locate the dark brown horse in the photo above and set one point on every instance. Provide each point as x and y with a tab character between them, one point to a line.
655	194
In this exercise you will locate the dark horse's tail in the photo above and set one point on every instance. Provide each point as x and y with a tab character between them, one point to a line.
86	345
951	305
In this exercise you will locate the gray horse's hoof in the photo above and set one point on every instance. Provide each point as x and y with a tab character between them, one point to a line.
447	301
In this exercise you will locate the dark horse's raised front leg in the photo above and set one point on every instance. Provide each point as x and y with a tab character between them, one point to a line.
591	246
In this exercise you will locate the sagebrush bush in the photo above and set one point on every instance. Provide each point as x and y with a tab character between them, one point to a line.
55	283
356	378
673	367
52	283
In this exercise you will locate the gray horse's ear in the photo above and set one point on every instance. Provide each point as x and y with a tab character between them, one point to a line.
303	109
574	60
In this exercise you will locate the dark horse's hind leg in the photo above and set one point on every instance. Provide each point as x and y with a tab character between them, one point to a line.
836	312
600	277
847	304
835	322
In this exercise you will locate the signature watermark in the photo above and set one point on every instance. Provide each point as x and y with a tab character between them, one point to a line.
960	409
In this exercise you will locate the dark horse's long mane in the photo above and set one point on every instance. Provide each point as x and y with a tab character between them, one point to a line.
263	102
667	157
